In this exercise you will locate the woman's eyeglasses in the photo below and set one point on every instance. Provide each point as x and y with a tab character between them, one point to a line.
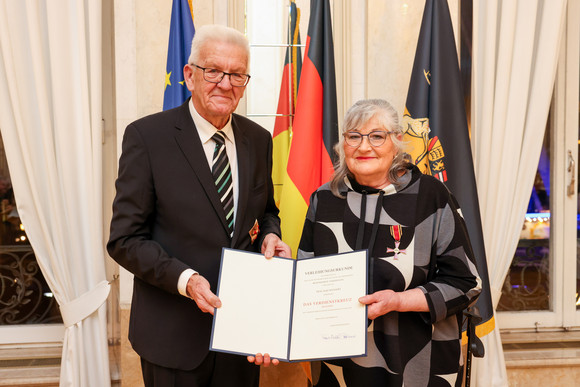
376	137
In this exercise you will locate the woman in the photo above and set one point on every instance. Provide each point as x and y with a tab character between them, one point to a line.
421	271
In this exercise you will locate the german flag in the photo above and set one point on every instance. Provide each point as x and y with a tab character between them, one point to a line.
436	129
181	33
315	129
286	103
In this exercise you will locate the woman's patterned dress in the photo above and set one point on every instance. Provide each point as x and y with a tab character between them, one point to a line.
416	238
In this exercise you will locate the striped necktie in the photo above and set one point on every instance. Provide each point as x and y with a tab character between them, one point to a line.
222	175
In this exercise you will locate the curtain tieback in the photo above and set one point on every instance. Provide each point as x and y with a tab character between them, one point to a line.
86	304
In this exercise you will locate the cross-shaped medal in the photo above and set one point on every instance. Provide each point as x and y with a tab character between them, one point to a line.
396	232
396	250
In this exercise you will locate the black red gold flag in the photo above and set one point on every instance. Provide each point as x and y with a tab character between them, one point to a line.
286	102
315	127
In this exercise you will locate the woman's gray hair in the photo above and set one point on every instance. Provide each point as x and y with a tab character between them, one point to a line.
359	114
211	33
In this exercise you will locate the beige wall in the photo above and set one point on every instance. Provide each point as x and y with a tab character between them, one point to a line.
393	30
152	19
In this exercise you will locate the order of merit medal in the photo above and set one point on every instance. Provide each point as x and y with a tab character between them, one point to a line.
254	231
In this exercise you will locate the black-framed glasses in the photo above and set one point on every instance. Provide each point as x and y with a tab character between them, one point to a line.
216	76
376	137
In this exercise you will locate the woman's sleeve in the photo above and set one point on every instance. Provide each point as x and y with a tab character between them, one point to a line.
454	282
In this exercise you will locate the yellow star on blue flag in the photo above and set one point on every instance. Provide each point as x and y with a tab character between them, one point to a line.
181	33
167	79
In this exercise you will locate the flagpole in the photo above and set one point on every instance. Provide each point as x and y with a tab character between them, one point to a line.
290	80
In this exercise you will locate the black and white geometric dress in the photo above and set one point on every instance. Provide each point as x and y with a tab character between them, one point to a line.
416	238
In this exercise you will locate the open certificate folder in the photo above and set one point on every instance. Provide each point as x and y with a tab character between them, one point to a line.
294	310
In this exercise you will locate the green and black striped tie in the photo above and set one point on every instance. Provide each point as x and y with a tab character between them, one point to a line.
222	175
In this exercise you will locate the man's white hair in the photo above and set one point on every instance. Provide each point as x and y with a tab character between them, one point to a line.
212	33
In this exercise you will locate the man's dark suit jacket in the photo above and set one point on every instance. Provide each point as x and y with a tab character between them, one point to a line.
167	217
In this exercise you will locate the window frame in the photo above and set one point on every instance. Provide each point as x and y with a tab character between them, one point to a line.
563	120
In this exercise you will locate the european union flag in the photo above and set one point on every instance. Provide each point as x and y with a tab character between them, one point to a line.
180	35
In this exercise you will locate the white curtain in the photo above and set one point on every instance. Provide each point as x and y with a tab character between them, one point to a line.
50	120
514	65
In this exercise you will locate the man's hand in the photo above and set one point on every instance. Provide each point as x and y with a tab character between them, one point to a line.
263	360
273	246
199	290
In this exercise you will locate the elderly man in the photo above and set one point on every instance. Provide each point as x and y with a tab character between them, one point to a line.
192	180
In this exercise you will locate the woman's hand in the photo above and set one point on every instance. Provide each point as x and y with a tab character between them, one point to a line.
263	360
381	302
385	301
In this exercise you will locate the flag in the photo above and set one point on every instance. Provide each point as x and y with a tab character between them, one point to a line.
436	130
286	102
315	127
181	33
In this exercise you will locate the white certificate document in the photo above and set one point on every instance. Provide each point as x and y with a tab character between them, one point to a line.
295	310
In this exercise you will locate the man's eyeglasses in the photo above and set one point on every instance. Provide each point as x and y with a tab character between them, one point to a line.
376	137
216	76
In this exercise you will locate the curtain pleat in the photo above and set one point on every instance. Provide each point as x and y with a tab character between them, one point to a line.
514	66
50	119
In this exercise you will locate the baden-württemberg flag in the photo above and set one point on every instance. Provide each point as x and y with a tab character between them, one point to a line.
436	128
315	128
286	103
181	33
